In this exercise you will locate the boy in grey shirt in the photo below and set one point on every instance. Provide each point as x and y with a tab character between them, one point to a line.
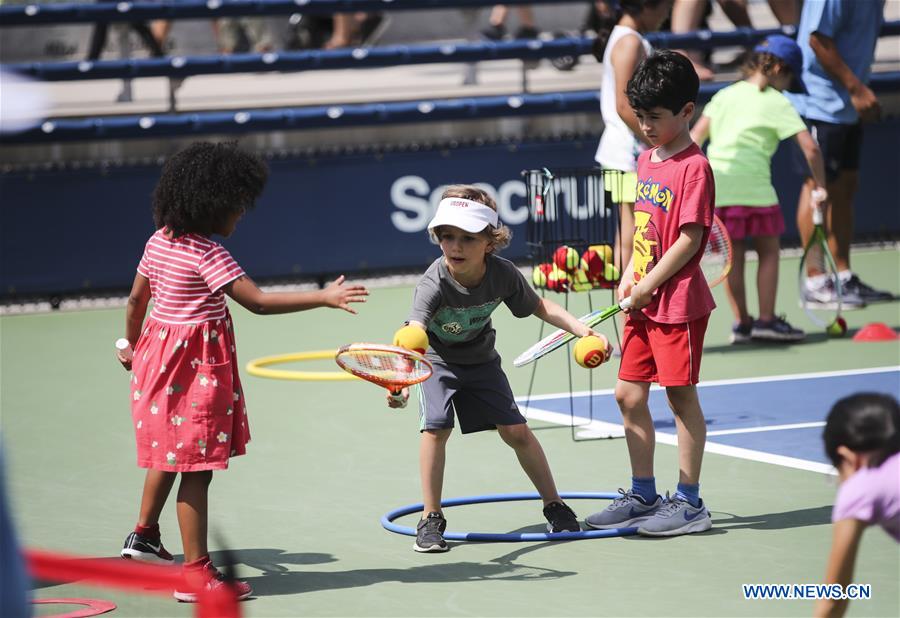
453	302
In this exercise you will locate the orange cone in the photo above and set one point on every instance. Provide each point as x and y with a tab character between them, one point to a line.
876	331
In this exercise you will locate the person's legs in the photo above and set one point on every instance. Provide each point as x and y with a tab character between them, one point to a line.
157	485
531	458
839	221
691	429
736	12
734	283
787	12
640	436
432	458
342	32
150	41
686	17
98	40
768	250
193	513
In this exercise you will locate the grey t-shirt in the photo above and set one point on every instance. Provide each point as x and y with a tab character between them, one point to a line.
458	319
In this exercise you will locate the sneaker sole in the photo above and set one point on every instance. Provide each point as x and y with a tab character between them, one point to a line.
699	525
191	597
628	523
133	554
777	337
433	549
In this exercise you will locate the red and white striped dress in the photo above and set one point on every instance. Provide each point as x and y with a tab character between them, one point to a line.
186	398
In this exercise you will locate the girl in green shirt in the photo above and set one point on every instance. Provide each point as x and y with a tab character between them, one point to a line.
745	123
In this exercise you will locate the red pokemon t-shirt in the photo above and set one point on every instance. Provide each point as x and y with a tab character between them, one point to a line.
670	194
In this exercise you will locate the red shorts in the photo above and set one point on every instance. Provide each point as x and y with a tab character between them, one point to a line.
665	353
752	221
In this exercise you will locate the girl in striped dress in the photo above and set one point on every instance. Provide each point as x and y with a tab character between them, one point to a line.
187	403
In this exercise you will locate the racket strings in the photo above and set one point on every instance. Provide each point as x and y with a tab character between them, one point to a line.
388	367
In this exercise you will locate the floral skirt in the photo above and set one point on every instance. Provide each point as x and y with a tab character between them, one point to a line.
187	404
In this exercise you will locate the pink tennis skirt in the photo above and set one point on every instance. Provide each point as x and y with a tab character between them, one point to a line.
751	221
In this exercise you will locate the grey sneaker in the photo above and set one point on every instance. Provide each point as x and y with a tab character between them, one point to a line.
676	517
779	330
825	297
624	512
430	533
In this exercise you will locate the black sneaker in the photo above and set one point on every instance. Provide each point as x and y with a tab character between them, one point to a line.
561	518
527	32
855	285
494	33
139	547
741	332
779	330
430	533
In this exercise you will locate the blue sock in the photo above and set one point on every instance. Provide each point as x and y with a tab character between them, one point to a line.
691	493
645	488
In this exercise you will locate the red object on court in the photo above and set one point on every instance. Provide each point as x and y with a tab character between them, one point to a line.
876	331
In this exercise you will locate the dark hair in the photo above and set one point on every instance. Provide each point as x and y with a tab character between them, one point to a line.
765	63
204	183
866	423
603	24
665	79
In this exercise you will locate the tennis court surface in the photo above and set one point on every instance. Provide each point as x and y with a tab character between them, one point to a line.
301	511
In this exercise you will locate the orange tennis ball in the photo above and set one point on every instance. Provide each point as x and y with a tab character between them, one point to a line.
566	258
591	351
412	338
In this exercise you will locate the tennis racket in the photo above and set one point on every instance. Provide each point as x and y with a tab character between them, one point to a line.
390	366
561	337
717	255
818	280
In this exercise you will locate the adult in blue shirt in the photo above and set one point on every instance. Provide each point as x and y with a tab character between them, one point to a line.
838	39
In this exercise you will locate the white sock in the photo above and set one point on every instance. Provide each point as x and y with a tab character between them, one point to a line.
845	275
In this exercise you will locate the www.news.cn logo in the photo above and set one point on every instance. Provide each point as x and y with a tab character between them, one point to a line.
835	592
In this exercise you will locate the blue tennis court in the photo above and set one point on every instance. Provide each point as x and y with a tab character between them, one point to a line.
776	419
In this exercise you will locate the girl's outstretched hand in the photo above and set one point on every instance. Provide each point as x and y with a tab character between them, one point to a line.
339	296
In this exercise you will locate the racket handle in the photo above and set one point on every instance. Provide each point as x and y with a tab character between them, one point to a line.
625	304
124	347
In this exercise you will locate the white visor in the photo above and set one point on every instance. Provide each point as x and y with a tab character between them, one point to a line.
467	215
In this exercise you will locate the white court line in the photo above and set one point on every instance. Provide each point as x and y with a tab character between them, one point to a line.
728	432
732	381
615	430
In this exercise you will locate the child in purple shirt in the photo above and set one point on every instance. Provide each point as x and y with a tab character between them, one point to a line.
862	439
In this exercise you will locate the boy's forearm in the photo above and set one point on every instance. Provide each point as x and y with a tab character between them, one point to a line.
679	254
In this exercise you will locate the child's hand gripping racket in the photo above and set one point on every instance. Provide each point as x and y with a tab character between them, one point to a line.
390	366
561	337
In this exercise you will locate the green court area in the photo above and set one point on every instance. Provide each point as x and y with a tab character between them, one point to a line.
301	511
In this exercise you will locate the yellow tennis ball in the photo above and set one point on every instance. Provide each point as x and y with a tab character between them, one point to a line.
539	275
610	272
412	338
566	258
591	351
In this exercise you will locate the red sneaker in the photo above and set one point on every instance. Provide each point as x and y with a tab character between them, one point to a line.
205	575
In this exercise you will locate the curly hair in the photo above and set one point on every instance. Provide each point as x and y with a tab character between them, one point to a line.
201	185
500	235
666	79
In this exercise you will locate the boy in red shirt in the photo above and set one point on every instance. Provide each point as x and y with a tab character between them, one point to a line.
671	301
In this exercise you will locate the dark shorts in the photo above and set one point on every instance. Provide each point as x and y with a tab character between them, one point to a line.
478	395
840	145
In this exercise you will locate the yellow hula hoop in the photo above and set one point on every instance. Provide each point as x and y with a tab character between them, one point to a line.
259	367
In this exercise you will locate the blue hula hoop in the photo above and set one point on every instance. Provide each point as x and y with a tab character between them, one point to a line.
387	520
